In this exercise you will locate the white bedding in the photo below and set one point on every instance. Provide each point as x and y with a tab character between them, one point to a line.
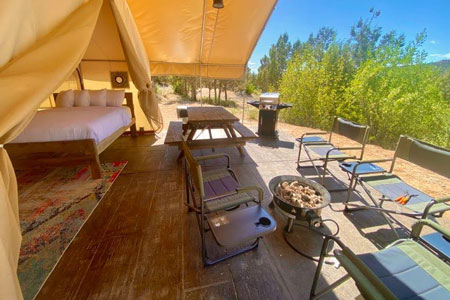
75	123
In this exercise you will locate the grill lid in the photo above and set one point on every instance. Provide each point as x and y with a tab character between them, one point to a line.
269	98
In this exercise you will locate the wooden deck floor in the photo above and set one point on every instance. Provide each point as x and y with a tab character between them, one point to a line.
141	243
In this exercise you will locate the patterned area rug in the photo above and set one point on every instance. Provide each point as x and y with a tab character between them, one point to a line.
53	206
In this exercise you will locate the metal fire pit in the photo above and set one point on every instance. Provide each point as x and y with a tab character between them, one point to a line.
293	212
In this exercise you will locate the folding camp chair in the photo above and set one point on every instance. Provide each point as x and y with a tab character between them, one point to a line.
219	195
407	269
326	152
391	187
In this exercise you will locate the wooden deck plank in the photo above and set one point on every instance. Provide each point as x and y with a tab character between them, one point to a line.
133	211
65	280
256	277
223	290
112	270
158	271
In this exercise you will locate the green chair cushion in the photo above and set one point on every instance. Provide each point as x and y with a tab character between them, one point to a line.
410	271
228	201
321	151
311	139
392	187
218	182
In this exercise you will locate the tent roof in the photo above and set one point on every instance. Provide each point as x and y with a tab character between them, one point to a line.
186	37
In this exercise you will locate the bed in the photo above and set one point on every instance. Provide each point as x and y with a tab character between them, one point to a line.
67	136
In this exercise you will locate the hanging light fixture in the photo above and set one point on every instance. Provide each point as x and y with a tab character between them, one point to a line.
218	4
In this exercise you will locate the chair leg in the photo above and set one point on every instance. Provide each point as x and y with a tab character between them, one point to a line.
312	162
299	152
202	231
377	205
390	224
324	172
350	189
209	262
323	251
383	214
313	295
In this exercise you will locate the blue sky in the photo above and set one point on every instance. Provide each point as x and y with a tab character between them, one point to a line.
301	17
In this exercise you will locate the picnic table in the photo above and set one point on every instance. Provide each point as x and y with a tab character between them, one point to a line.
208	118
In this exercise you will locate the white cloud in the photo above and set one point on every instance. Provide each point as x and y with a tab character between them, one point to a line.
433	42
252	65
445	55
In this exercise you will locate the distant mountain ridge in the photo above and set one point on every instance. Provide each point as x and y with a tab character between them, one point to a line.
443	64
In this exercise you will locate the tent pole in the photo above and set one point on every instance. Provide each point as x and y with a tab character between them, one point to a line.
243	94
201	51
201	91
243	106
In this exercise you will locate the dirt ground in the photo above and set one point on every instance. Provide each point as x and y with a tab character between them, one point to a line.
426	181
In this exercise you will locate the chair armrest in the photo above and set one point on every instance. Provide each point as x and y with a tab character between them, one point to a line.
317	143
417	228
314	133
341	148
357	269
374	161
362	162
433	202
442	200
252	188
214	156
347	148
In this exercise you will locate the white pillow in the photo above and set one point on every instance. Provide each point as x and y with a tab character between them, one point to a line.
81	98
97	97
115	97
65	99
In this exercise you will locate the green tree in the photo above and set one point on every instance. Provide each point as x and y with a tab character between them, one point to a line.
315	80
396	93
364	38
380	80
273	66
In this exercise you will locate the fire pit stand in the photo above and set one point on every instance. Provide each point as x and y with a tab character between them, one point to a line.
294	213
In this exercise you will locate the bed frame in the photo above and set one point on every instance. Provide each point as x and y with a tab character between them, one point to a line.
68	153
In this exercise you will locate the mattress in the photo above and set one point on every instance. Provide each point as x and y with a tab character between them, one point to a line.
75	123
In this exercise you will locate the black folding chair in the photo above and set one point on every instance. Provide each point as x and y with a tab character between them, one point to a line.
391	187
406	269
319	149
214	195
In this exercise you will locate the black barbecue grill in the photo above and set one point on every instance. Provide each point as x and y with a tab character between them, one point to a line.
269	105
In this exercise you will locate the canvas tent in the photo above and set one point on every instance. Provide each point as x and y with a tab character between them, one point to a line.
44	41
188	37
